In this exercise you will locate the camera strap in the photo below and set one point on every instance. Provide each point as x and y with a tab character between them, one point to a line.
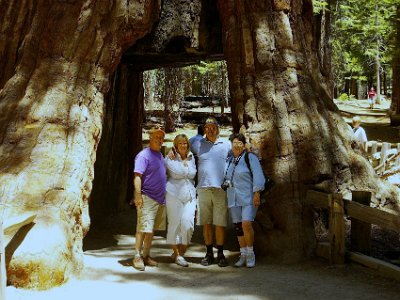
236	161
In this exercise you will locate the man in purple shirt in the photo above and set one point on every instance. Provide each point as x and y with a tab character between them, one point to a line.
149	182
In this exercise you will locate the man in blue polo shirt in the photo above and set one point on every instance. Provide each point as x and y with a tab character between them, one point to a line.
211	152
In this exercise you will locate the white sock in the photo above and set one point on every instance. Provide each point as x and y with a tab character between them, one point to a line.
250	249
243	250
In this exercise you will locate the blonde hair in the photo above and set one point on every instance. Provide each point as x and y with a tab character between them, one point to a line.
182	136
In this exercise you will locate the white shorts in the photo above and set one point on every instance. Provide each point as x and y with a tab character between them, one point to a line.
151	216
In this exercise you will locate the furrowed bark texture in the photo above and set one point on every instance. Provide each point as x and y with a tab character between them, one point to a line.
280	95
395	106
56	60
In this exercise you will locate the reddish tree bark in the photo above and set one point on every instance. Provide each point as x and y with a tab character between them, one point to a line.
57	58
280	95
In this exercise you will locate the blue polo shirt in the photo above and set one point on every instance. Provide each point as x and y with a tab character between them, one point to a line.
211	159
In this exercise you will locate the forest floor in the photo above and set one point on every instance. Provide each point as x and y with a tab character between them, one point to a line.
108	252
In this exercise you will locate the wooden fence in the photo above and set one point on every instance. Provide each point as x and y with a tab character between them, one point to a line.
362	216
384	154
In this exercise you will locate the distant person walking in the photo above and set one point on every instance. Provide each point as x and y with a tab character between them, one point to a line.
359	133
180	198
149	182
371	97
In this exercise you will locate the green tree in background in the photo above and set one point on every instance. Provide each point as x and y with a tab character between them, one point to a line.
361	40
169	86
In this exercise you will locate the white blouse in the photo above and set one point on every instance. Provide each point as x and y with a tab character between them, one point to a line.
180	177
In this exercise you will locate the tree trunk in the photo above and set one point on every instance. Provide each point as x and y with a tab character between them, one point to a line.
322	35
395	106
280	95
378	75
57	58
384	81
119	144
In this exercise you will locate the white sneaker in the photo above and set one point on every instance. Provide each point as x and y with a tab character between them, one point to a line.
241	261
138	263
181	261
250	260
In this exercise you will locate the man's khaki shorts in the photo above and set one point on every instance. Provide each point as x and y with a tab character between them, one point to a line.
151	216
212	206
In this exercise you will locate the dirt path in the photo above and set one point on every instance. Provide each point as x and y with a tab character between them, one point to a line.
108	274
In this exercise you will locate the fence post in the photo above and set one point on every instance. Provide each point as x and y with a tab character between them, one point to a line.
336	229
374	147
398	157
3	278
361	231
385	147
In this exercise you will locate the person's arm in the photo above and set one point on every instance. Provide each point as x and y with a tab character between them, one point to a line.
172	154
258	179
256	199
364	141
137	183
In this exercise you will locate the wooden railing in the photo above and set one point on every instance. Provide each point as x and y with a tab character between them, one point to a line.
361	216
388	154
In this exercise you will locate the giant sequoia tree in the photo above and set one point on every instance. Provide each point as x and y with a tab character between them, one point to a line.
56	62
280	94
57	58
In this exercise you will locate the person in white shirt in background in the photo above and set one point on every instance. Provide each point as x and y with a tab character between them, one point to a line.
180	198
359	133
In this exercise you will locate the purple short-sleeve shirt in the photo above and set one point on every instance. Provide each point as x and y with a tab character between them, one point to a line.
150	164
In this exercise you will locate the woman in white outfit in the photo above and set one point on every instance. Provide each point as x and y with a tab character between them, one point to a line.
180	198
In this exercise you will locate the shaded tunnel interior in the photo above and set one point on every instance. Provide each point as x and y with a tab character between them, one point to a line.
124	112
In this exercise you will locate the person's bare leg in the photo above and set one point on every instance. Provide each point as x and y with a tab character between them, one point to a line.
182	249
220	235
178	251
175	248
242	241
243	249
138	261
139	242
208	234
148	239
248	233
249	238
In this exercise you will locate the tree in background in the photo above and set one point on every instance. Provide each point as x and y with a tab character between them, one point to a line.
396	65
362	41
169	86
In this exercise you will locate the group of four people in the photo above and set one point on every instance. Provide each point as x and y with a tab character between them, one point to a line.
227	176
